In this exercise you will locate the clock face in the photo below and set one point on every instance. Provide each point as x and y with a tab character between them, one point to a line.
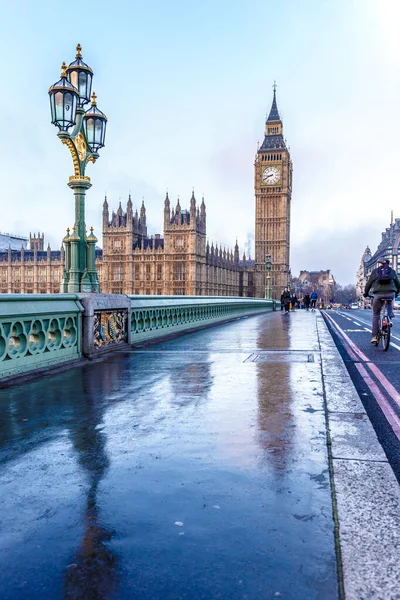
271	175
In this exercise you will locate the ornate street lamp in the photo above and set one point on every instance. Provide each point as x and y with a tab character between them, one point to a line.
67	100
268	265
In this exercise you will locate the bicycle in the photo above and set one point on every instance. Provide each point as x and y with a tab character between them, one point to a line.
384	325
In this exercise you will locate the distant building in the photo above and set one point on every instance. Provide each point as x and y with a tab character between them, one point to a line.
323	282
389	247
12	241
361	277
30	271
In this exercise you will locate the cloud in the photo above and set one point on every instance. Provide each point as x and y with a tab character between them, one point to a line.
336	251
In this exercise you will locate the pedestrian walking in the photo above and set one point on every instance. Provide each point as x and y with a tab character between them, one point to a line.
313	298
306	301
285	299
294	301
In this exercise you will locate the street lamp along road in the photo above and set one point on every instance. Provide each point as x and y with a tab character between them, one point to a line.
268	277
67	100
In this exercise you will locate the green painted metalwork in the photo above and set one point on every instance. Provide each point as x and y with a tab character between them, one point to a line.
38	331
41	331
159	316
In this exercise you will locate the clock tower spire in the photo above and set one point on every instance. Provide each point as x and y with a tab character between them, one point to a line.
273	193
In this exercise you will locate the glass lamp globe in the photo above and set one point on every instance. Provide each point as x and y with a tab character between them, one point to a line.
94	123
63	102
81	75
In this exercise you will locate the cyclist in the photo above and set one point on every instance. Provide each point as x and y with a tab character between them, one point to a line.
384	284
314	298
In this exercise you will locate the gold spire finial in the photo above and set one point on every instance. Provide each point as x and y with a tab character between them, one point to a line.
74	228
78	51
91	230
64	69
94	98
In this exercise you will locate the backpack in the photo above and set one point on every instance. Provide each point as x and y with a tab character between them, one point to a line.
384	274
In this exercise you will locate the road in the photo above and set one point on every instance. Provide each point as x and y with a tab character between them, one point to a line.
375	373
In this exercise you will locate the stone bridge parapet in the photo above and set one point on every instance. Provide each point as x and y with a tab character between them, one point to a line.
45	331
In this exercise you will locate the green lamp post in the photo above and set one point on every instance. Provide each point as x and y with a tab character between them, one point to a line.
84	134
268	277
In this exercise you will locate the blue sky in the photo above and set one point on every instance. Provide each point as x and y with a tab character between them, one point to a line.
185	86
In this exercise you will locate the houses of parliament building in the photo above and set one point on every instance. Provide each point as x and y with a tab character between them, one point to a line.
181	262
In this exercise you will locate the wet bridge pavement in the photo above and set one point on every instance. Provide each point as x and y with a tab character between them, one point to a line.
196	468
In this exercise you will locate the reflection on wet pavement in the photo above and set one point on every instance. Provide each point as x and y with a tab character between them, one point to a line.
182	470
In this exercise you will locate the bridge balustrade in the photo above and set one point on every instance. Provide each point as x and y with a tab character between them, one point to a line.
158	316
39	331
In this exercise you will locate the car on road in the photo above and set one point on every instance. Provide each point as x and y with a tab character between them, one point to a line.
354	305
396	303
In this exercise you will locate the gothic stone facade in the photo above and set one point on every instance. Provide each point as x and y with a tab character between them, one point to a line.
323	282
389	247
33	271
273	193
181	262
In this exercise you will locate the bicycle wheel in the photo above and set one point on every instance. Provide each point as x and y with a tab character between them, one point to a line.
385	338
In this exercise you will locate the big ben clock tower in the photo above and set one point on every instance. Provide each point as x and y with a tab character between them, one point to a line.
273	191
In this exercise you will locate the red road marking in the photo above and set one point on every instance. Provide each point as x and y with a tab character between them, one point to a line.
356	354
386	384
343	336
350	343
387	410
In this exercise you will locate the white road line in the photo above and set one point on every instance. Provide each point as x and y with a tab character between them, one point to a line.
392	344
394	337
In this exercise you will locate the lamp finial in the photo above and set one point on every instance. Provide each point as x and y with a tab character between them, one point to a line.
64	69
78	51
94	98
